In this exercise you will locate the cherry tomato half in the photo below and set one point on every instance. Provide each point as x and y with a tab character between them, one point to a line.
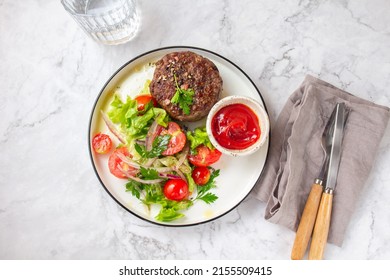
101	143
176	189
144	99
204	156
116	165
201	175
177	141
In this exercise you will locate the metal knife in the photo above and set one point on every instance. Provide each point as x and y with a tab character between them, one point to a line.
321	227
309	214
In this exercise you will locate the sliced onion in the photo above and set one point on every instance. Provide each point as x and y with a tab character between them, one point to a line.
133	164
149	162
113	129
163	169
181	175
180	162
154	129
129	161
183	156
130	176
169	176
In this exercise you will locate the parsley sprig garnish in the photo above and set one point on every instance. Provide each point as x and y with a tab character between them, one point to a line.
160	144
203	191
183	97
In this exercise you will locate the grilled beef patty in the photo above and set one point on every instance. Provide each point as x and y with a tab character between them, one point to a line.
192	71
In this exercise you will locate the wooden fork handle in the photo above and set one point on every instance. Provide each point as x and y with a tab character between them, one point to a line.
306	224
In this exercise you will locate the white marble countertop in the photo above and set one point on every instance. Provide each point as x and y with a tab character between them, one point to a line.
51	203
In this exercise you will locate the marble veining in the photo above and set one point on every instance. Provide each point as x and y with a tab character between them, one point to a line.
51	203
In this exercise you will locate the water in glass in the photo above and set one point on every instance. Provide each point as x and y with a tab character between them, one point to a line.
108	21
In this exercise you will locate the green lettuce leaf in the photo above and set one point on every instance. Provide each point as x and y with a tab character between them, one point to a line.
120	112
133	123
198	137
170	210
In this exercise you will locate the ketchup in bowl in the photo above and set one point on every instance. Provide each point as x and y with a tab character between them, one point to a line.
235	127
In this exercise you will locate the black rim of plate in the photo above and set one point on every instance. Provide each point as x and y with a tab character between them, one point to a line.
101	92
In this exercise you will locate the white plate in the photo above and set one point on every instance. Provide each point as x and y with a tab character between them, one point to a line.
237	175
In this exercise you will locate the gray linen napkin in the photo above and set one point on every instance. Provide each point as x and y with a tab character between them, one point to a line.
295	155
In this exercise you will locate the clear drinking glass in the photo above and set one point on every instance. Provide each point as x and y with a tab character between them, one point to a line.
110	22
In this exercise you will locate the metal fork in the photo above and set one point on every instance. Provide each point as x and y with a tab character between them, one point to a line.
309	214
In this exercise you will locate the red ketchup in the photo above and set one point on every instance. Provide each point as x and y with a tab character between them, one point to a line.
235	127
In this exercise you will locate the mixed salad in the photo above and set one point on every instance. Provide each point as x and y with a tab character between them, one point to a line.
162	162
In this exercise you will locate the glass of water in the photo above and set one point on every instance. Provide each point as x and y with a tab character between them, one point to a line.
110	22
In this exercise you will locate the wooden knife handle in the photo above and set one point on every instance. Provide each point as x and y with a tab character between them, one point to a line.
321	228
306	224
